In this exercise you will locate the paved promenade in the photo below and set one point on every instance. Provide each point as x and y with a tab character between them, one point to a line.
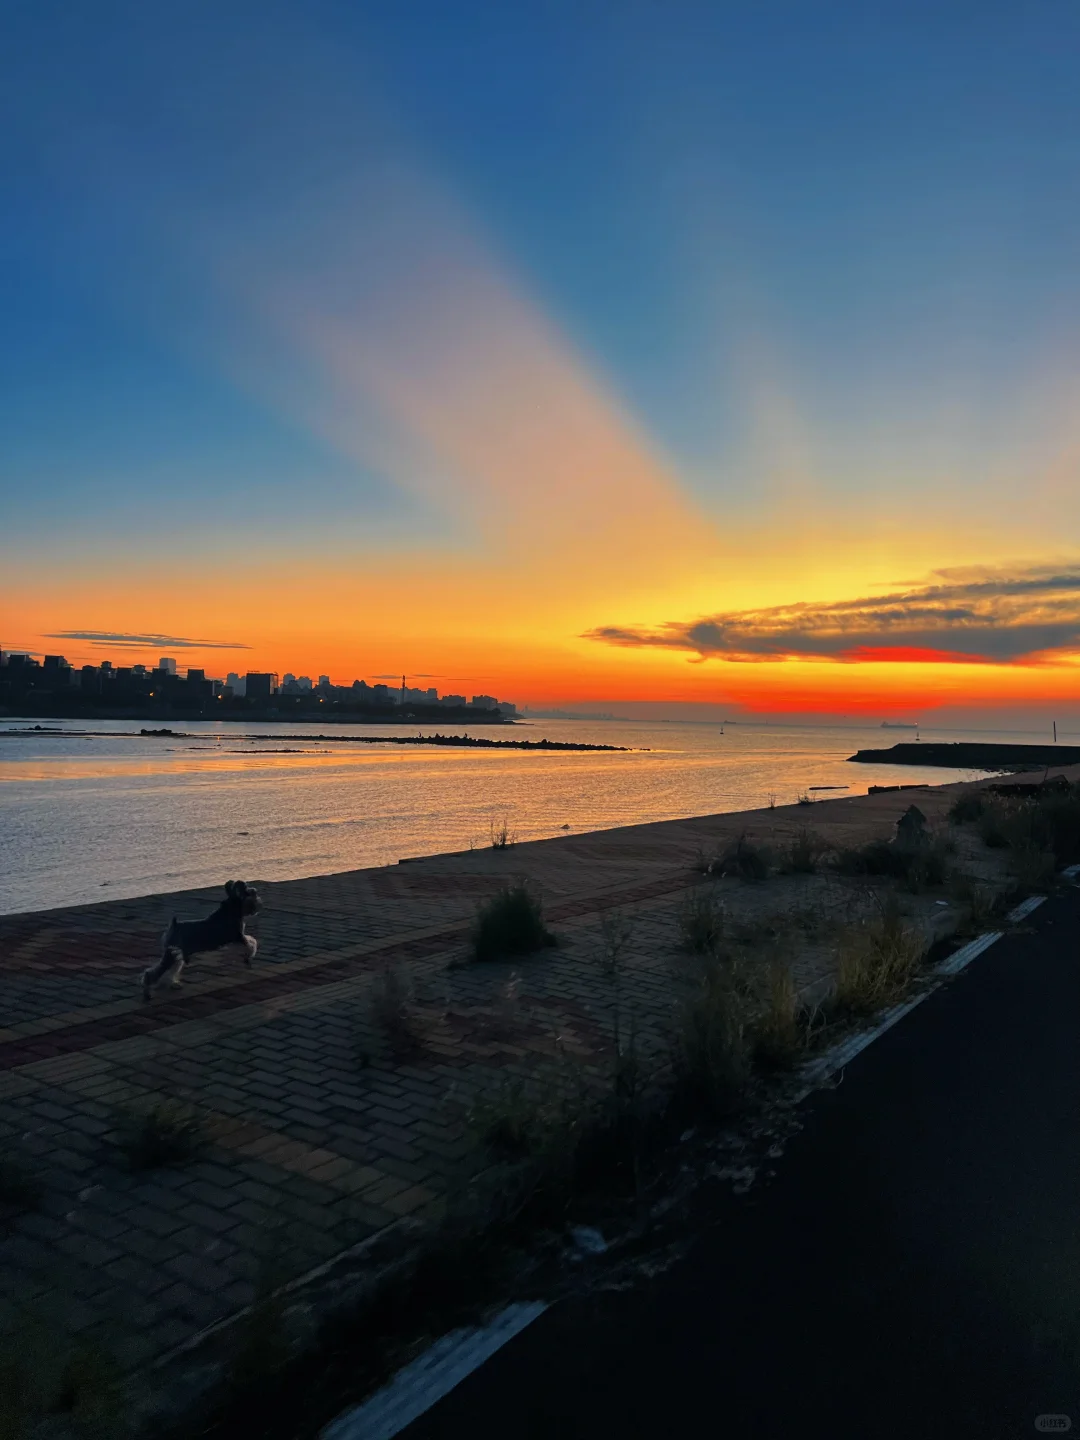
321	1132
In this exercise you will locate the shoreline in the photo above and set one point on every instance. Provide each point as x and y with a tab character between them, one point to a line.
853	817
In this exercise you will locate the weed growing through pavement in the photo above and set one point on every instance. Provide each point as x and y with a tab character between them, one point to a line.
392	1008
168	1134
510	923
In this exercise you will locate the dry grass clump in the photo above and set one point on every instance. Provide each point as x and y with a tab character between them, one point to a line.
701	922
977	901
782	1029
877	963
713	1046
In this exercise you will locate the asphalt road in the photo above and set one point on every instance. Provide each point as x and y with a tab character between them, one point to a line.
913	1270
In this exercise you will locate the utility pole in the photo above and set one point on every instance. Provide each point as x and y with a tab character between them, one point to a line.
1055	732
403	690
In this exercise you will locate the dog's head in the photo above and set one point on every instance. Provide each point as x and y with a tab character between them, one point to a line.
244	897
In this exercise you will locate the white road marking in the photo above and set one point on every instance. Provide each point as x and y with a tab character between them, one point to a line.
430	1376
1024	909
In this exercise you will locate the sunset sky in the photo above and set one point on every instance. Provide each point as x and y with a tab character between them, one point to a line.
571	352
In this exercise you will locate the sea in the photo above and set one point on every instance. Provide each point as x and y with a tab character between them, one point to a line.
114	815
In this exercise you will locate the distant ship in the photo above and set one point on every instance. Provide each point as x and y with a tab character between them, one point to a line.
898	725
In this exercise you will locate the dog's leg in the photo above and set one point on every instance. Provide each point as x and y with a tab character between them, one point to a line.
151	976
178	970
251	946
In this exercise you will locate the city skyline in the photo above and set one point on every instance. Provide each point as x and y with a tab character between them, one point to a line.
720	356
56	674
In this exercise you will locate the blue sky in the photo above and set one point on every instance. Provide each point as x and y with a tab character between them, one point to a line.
821	261
875	203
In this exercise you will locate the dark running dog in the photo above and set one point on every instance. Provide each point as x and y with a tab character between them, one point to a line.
225	926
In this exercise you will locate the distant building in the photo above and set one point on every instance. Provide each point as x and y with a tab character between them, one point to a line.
139	671
167	664
259	685
54	662
484	702
304	682
380	694
452	700
235	685
196	675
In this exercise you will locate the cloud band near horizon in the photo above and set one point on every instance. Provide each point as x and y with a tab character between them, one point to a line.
124	639
971	617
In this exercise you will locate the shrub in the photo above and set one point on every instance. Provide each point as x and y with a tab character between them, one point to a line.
168	1134
502	837
919	868
1045	819
877	964
511	923
712	1054
1056	825
967	808
1033	867
744	859
802	855
997	824
701	922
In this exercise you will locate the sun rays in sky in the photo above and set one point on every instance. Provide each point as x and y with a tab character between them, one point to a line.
353	349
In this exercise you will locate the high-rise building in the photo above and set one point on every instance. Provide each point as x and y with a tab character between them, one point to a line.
196	674
167	664
259	685
235	683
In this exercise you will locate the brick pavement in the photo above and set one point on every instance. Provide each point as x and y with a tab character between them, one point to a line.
319	1136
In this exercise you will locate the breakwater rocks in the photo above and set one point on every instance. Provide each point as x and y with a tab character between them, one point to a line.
972	755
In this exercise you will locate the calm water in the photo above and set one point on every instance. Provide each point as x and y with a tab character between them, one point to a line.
90	819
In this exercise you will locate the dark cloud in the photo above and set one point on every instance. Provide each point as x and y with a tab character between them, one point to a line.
974	615
121	639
